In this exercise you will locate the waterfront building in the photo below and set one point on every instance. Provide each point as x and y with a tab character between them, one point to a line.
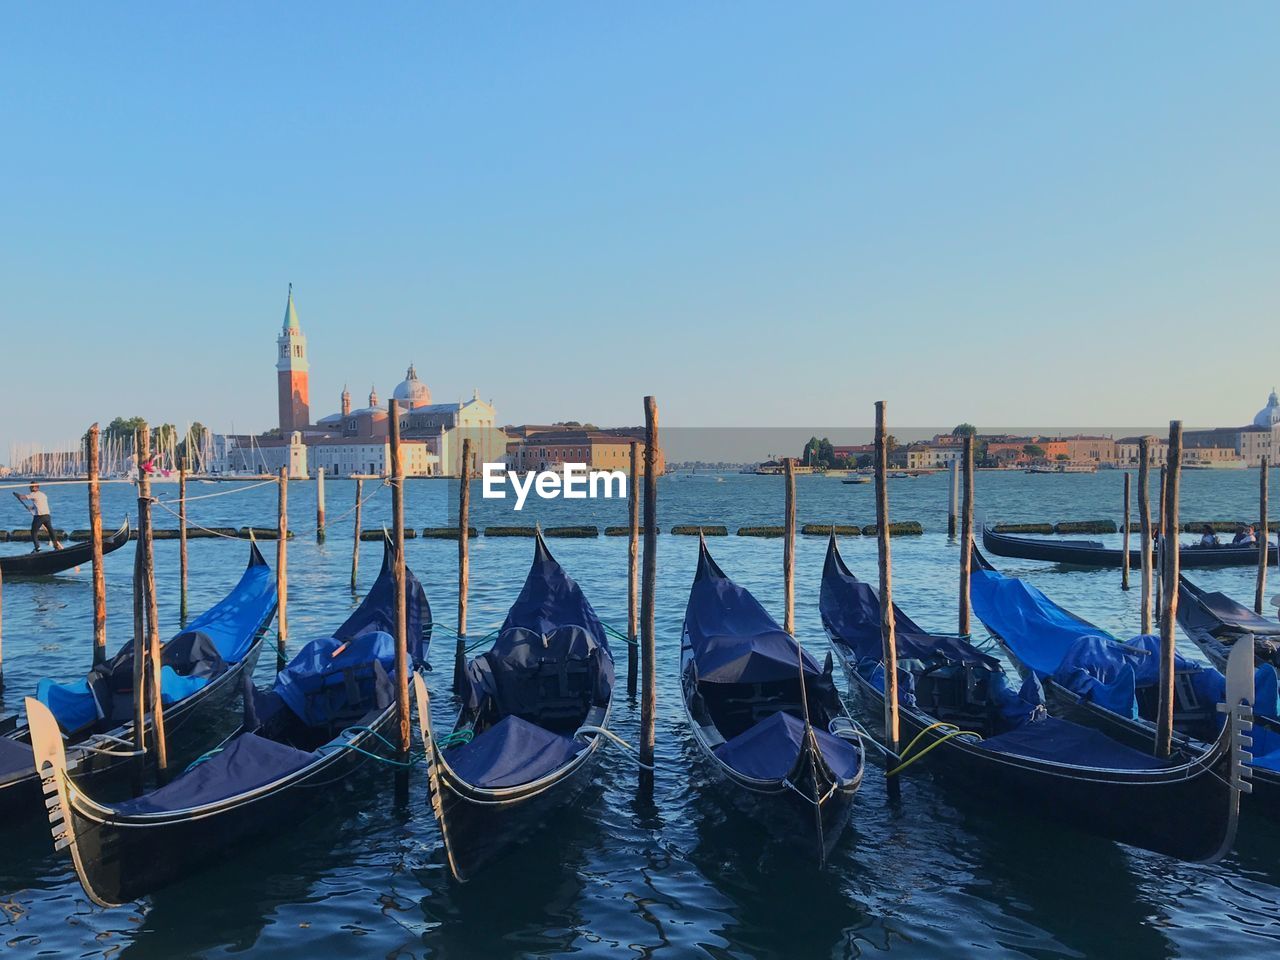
537	447
292	370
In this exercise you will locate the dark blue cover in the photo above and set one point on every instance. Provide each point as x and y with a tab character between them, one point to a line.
510	753
551	622
232	622
324	663
769	750
1095	669
16	761
734	639
248	762
1060	741
1228	612
377	612
851	613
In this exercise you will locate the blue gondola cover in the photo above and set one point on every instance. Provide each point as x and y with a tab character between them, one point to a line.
769	750
512	752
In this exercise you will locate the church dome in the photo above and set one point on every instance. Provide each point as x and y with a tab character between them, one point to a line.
412	392
1269	415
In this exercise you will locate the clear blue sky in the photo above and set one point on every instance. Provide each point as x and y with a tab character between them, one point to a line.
765	214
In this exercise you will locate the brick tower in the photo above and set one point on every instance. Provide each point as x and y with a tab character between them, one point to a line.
291	372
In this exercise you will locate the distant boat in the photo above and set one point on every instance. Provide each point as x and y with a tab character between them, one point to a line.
856	480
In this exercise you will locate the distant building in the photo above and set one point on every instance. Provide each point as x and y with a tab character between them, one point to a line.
292	370
536	447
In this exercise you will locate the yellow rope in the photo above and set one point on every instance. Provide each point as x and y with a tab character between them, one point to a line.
952	731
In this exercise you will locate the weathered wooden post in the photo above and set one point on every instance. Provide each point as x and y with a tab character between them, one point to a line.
966	535
1	629
953	495
1264	538
649	691
1144	521
633	570
319	504
146	548
282	569
355	536
888	638
398	571
139	665
182	540
789	549
1124	547
1169	580
464	566
95	537
1162	539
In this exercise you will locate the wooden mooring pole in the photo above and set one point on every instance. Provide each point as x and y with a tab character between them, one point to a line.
95	537
139	667
953	495
319	504
464	566
649	689
355	535
182	540
1162	541
789	550
1144	522
1	629
398	570
1264	538
1169	586
966	535
146	548
888	638
1124	548
282	570
633	571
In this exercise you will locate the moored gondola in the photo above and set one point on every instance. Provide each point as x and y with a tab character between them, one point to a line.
1214	622
48	561
1090	676
325	715
203	669
523	744
957	705
768	720
1090	553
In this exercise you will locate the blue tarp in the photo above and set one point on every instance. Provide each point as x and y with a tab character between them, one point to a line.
851	612
231	623
377	612
1060	741
510	753
323	664
733	637
1097	670
16	760
248	762
769	750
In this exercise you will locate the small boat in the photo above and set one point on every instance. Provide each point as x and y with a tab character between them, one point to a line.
768	720
957	706
856	480
46	560
1090	553
1092	677
325	715
537	705
1215	622
203	666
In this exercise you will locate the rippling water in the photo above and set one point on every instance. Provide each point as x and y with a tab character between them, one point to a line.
935	874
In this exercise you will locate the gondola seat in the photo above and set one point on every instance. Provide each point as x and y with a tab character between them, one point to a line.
512	752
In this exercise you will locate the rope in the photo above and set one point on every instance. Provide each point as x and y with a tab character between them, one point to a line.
54	483
414	759
220	493
609	734
352	509
482	641
455	738
951	731
618	635
190	523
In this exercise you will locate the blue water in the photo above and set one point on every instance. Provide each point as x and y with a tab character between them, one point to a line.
685	875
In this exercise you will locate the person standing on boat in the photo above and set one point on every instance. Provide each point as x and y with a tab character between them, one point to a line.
38	503
1208	538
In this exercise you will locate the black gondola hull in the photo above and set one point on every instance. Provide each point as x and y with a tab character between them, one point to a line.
1085	554
48	561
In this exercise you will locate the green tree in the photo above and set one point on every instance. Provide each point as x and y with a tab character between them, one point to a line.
123	427
965	429
1033	450
1062	456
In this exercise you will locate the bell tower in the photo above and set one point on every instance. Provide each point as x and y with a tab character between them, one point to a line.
291	372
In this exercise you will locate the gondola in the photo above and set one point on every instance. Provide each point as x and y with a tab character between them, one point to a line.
784	748
203	669
329	709
523	744
1090	553
1091	677
956	703
46	561
1215	622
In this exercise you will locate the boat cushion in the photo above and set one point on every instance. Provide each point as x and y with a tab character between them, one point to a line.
768	750
16	761
510	753
248	762
1060	741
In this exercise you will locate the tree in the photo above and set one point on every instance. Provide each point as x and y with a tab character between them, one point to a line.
1035	451
965	429
1062	456
122	427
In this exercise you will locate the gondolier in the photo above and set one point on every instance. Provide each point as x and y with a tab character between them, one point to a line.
38	503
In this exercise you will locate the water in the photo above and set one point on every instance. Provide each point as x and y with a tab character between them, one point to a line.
685	875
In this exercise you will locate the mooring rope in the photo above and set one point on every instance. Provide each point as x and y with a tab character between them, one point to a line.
352	509
220	493
610	735
191	523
